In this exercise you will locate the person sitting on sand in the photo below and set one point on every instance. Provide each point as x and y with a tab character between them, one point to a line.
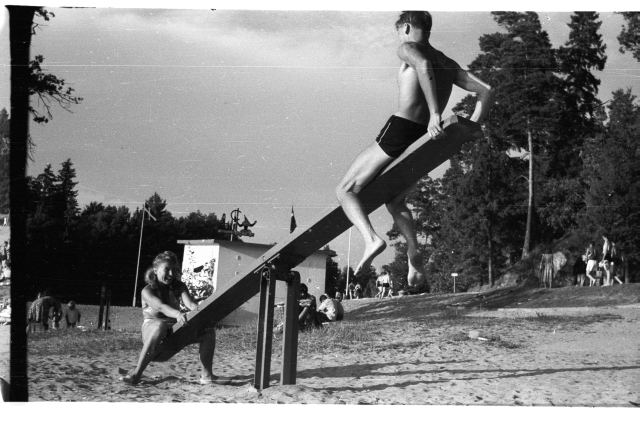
329	310
72	315
307	310
339	296
161	309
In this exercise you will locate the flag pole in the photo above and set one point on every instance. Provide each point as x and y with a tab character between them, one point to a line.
135	287
346	289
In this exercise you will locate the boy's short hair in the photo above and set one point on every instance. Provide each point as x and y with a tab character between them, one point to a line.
418	19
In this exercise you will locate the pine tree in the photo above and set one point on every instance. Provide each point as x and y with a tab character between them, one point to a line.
582	54
69	196
521	63
629	37
612	172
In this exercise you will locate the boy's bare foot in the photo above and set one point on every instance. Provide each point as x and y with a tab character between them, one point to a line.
371	250
416	270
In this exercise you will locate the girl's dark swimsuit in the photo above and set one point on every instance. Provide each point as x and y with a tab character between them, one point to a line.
398	134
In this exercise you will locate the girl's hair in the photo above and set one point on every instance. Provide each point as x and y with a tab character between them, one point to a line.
150	274
417	19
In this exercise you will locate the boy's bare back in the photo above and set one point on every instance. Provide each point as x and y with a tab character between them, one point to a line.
412	104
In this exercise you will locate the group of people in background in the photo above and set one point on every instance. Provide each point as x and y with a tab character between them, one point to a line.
312	315
46	313
607	267
384	286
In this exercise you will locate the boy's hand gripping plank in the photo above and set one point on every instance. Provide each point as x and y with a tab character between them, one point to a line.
419	159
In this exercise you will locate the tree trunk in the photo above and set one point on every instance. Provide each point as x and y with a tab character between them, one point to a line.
527	236
490	246
20	21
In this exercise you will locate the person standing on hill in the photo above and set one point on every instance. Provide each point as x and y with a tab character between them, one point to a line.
425	82
616	261
580	270
591	263
606	260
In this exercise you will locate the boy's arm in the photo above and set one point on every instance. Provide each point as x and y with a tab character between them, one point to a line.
412	56
486	96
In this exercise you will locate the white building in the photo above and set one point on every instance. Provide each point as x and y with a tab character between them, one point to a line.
208	265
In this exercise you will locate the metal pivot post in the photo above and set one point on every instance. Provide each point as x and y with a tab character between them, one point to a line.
265	327
290	330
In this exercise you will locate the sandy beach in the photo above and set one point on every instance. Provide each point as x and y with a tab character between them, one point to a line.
543	357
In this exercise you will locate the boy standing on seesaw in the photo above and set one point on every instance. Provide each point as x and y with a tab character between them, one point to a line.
425	81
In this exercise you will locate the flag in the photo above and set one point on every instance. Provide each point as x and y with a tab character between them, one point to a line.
293	222
146	208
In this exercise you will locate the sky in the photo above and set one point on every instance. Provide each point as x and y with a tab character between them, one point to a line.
250	109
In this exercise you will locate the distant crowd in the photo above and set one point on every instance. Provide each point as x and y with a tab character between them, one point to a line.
601	270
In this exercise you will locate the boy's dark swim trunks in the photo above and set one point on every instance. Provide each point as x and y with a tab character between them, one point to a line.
398	134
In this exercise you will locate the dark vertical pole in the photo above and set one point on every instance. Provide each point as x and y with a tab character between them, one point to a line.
265	328
290	331
106	314
20	28
261	315
103	293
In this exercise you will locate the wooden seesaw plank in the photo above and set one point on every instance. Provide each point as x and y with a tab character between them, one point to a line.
420	158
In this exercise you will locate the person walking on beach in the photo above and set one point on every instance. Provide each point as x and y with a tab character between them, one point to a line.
161	310
425	82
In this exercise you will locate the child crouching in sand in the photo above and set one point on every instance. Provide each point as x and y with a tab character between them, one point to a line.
161	309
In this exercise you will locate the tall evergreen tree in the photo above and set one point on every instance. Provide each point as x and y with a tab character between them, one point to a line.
562	193
629	37
582	54
522	64
69	196
612	172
